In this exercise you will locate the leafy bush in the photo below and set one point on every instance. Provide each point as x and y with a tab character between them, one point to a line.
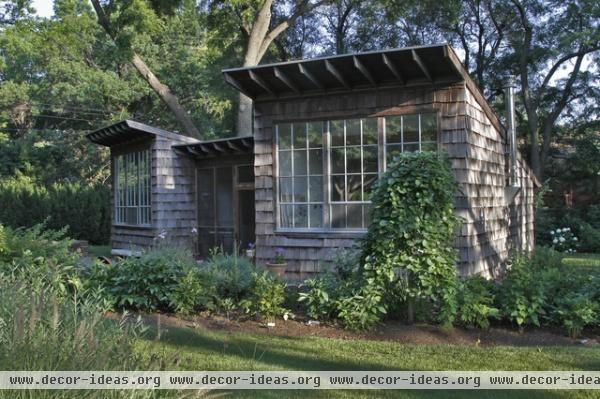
523	292
267	295
317	300
39	259
563	240
476	302
577	310
231	274
149	282
193	291
589	238
85	209
410	240
360	308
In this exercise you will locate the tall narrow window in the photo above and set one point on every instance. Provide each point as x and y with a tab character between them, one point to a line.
132	188
353	170
300	155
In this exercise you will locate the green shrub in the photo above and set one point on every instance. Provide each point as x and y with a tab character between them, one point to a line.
319	297
523	292
577	310
193	291
149	282
589	237
39	259
267	295
231	274
360	308
85	209
410	240
476	302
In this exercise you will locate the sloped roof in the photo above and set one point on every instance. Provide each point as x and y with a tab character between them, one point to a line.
402	66
127	131
219	147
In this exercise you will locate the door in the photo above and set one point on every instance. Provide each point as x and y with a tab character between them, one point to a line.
226	217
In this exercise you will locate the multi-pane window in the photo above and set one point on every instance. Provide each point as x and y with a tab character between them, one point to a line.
333	192
301	175
132	188
353	170
407	133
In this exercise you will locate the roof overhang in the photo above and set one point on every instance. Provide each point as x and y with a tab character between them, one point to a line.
128	131
375	69
218	148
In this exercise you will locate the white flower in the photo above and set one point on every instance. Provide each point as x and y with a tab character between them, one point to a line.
555	241
552	232
562	239
568	229
194	231
285	316
574	238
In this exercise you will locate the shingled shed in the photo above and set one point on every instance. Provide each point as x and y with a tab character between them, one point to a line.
324	130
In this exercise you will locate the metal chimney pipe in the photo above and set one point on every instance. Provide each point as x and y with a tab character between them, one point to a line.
509	95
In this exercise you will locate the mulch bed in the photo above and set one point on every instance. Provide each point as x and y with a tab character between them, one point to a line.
421	334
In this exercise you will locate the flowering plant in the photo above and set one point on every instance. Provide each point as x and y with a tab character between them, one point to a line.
279	258
563	240
251	245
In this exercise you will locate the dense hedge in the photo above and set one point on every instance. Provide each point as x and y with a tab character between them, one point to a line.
85	209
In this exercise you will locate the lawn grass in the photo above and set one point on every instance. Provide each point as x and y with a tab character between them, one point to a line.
588	263
196	349
99	250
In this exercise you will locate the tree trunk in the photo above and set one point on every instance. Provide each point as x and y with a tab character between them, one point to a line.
244	116
165	94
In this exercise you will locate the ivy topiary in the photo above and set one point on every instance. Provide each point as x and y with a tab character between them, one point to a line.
409	245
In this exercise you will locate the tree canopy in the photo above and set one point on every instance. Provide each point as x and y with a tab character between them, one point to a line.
159	62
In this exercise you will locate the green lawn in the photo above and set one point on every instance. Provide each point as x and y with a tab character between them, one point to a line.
189	349
99	250
587	262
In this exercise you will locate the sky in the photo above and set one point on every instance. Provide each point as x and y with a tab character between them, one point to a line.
43	7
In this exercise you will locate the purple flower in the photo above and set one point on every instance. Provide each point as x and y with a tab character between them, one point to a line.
251	245
194	231
163	234
279	251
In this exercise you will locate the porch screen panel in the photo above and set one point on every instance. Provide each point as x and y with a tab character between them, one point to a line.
300	160
132	188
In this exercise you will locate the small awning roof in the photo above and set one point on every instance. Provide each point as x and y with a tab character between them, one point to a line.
128	131
397	67
219	147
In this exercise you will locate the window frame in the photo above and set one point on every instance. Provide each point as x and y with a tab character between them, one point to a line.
327	230
124	154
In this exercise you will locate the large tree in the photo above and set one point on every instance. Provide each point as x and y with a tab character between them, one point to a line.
128	12
253	19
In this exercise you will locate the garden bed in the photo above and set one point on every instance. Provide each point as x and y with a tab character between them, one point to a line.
420	334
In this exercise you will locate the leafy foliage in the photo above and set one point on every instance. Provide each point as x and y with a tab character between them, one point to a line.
409	242
267	295
84	209
476	302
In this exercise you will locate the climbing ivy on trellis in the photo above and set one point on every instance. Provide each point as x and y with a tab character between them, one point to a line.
409	245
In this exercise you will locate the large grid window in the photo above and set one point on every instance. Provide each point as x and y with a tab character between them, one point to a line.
132	188
334	192
301	175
